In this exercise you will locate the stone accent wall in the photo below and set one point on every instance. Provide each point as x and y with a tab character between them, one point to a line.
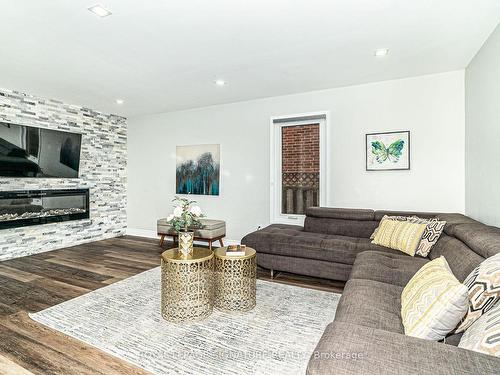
102	170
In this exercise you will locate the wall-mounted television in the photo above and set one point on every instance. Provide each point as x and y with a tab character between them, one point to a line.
28	151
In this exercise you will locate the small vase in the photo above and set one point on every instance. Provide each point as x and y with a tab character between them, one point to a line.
186	242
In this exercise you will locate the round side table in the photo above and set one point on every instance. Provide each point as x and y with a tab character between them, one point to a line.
186	285
235	280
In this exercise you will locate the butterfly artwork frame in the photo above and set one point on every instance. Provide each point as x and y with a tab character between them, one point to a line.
388	151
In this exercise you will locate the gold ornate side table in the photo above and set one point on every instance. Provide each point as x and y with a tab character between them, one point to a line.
235	280
186	285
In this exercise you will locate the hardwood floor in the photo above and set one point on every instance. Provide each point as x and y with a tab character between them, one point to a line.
34	283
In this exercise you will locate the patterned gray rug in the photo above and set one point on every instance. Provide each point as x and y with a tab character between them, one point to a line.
123	319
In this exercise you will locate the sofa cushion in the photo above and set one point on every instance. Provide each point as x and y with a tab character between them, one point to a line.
341	227
347	349
303	266
433	302
254	239
424	215
341	213
461	259
371	303
483	239
452	220
286	241
396	269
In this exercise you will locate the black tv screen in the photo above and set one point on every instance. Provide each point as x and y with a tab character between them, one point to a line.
27	151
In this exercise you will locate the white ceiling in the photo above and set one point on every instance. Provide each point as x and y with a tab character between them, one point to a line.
164	55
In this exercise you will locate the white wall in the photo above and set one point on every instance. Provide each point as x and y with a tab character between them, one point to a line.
482	82
431	107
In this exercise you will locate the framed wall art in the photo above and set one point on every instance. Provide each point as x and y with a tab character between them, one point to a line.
198	169
388	151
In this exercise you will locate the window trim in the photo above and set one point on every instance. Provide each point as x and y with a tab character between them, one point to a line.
276	123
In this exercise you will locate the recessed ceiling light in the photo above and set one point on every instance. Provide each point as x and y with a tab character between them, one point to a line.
381	52
120	101
100	11
220	82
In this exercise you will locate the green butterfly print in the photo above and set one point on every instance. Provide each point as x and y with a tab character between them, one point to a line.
391	153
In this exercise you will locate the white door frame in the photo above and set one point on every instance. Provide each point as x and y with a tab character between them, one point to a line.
276	163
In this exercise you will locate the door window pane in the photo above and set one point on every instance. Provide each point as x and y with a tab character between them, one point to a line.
300	168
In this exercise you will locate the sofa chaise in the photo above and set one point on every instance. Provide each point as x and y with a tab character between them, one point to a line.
367	335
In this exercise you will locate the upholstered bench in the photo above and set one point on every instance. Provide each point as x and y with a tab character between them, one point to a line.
210	231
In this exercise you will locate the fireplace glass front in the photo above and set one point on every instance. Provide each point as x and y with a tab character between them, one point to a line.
34	207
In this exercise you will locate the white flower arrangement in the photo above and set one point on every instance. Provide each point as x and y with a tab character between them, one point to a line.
185	214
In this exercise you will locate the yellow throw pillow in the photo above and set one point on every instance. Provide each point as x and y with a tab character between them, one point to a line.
433	302
399	235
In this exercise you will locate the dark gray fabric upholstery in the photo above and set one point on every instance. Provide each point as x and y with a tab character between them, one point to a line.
383	352
461	259
259	239
294	243
341	213
424	215
453	339
395	269
303	266
483	239
341	227
452	220
372	304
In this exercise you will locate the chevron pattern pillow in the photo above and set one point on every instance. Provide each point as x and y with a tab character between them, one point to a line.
484	335
433	301
484	290
433	230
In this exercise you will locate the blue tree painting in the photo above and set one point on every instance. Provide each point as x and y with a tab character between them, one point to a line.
198	169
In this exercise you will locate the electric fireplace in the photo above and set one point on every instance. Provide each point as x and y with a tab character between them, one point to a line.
35	207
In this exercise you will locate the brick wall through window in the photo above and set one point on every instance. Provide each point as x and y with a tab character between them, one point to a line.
300	168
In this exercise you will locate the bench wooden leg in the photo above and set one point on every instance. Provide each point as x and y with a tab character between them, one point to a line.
272	274
210	244
162	239
221	243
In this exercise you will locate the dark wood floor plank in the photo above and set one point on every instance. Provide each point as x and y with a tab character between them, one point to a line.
7	366
62	273
84	356
37	357
17	274
99	268
27	296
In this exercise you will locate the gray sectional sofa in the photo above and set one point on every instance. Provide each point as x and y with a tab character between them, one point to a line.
367	335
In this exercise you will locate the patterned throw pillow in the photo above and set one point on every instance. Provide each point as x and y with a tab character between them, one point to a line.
399	235
433	301
484	335
434	229
484	290
387	217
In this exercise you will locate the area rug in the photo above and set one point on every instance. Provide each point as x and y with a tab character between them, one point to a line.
123	319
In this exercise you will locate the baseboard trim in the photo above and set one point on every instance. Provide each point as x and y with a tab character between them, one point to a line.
141	233
146	233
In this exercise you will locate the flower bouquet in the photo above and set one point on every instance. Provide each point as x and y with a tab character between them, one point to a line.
186	216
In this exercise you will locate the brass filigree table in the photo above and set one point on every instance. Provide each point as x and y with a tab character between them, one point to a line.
186	285
235	284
